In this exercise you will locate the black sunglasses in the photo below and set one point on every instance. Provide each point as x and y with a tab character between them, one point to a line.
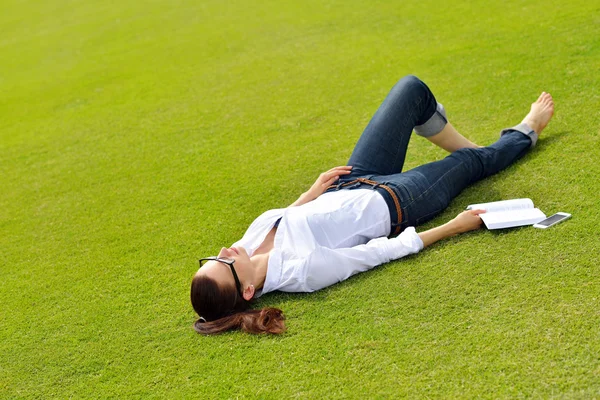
228	261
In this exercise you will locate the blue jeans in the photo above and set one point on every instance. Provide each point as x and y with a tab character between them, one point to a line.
418	195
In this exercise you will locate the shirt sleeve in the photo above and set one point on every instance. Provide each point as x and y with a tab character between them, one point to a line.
326	266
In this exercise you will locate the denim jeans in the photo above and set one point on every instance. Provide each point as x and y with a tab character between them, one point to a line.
425	191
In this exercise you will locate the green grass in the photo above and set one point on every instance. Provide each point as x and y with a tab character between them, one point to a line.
136	137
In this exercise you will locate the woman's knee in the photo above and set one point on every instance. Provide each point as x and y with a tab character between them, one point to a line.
411	79
411	82
414	93
466	155
473	160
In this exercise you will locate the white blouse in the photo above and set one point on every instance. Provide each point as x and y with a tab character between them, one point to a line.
327	240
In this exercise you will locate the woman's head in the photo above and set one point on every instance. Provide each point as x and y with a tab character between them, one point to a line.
221	293
213	301
232	267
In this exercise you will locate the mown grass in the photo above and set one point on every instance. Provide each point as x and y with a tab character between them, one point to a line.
137	137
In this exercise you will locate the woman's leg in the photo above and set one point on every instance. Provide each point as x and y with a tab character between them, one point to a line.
427	190
451	140
381	149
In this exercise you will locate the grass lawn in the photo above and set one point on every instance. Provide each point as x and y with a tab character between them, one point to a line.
136	137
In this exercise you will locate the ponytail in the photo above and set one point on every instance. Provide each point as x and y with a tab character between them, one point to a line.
267	320
222	309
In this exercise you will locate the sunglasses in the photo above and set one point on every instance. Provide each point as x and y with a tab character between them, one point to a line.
229	262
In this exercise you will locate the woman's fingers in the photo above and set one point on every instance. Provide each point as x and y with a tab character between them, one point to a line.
329	177
330	181
336	172
468	220
475	218
347	168
477	212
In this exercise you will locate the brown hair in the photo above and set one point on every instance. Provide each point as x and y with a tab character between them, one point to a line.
221	308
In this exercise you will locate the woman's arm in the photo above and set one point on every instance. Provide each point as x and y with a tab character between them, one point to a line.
325	266
324	180
465	221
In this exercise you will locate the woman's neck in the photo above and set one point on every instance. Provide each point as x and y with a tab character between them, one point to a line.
261	264
260	258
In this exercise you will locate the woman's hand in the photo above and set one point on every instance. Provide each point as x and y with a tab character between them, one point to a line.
466	221
324	180
327	179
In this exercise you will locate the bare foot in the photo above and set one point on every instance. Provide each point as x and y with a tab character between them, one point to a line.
541	113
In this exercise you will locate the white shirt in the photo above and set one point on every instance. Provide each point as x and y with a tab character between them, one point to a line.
327	240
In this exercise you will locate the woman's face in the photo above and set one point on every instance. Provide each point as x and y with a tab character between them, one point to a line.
221	272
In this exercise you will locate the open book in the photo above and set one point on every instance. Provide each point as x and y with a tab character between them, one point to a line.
509	213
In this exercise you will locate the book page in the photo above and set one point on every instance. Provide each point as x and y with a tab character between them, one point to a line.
504	205
508	219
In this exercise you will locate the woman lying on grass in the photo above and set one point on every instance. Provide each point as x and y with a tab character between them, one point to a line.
349	220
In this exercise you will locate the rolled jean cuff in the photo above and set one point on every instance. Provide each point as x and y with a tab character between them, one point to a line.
435	124
525	130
